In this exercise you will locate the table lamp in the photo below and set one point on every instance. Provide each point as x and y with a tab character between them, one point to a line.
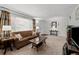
37	29
6	30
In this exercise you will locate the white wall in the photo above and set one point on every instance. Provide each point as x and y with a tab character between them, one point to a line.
45	25
61	25
73	20
42	24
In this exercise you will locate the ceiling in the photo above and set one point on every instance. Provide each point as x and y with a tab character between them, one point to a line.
44	10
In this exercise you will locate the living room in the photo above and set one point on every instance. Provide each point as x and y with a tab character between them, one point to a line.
26	23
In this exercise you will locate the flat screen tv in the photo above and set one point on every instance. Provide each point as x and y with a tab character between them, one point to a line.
75	34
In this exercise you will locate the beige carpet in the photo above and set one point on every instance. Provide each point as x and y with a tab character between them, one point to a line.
54	47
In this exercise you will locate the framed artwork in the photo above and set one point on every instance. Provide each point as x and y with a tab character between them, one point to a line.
54	24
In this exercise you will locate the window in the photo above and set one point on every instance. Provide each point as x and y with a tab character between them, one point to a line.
21	24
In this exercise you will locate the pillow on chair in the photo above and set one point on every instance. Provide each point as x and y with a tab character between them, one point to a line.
18	36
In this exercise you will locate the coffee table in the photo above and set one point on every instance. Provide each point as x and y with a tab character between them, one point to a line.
37	44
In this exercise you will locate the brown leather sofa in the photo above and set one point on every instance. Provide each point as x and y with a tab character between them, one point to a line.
26	36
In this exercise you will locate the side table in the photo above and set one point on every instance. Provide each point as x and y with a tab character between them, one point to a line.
7	43
54	32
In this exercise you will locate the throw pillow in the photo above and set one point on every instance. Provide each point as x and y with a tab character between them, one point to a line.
18	36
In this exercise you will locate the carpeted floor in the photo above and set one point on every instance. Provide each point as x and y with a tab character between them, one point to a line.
54	47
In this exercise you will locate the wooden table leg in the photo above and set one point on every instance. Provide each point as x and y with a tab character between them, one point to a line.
5	49
7	44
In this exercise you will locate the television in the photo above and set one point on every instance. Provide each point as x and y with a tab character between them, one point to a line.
75	35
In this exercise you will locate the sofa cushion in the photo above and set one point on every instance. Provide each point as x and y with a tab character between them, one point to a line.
25	38
24	33
28	38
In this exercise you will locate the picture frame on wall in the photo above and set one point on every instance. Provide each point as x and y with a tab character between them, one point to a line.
54	23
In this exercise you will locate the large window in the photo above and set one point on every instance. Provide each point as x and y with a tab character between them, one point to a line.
21	24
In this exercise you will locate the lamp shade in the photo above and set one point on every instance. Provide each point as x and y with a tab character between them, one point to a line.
37	27
6	28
